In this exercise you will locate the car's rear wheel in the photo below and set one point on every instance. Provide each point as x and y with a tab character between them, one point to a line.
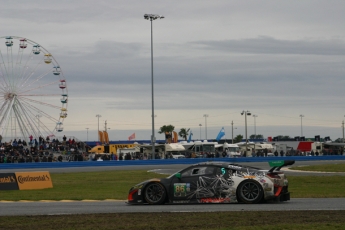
155	193
250	192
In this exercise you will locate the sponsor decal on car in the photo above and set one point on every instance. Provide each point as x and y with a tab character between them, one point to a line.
181	189
235	167
215	200
181	201
249	177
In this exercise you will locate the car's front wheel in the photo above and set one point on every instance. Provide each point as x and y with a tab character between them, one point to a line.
155	193
250	192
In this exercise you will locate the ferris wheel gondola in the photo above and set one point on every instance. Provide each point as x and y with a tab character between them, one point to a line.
33	90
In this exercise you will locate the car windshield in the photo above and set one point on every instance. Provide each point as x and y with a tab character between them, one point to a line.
175	173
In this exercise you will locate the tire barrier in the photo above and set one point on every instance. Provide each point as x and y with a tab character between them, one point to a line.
189	161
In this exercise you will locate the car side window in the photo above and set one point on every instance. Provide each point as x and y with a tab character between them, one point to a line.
198	171
188	172
209	170
195	171
224	171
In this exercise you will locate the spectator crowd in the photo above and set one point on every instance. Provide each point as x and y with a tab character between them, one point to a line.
41	150
52	149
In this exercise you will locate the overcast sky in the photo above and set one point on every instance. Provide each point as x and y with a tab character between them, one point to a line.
277	59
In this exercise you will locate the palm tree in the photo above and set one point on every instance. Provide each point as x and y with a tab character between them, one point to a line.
238	138
257	136
167	130
183	133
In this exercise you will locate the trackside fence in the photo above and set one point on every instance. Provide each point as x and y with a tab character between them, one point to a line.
189	161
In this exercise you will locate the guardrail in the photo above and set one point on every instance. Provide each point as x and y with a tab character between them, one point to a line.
39	165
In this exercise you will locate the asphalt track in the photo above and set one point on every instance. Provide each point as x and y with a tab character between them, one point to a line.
112	206
169	169
88	207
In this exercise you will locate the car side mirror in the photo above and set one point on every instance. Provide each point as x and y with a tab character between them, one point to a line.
178	175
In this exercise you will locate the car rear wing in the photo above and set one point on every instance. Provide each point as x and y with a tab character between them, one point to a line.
277	165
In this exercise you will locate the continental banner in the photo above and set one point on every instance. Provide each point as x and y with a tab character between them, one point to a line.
33	180
8	181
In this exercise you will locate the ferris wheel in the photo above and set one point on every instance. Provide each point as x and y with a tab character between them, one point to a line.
33	90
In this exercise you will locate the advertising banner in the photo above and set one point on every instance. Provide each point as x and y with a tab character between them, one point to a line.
8	181
33	180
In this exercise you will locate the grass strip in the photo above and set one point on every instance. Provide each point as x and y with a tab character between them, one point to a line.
116	184
319	220
84	186
337	167
317	186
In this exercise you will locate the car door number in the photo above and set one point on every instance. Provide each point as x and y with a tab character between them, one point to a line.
181	189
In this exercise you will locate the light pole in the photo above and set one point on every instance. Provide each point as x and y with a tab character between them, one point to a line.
98	116
343	131
255	116
200	130
206	116
301	125
105	126
245	117
232	132
106	136
87	134
152	17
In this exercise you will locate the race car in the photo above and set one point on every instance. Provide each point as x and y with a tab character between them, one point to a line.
215	182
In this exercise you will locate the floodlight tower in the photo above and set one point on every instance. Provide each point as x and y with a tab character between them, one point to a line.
206	116
152	17
301	125
98	116
246	113
200	130
255	116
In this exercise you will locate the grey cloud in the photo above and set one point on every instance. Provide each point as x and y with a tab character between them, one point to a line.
272	78
61	12
208	55
269	45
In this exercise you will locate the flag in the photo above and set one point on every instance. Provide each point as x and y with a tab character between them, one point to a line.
220	134
190	136
175	138
131	137
101	137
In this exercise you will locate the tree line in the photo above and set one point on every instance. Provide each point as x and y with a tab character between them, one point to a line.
184	133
